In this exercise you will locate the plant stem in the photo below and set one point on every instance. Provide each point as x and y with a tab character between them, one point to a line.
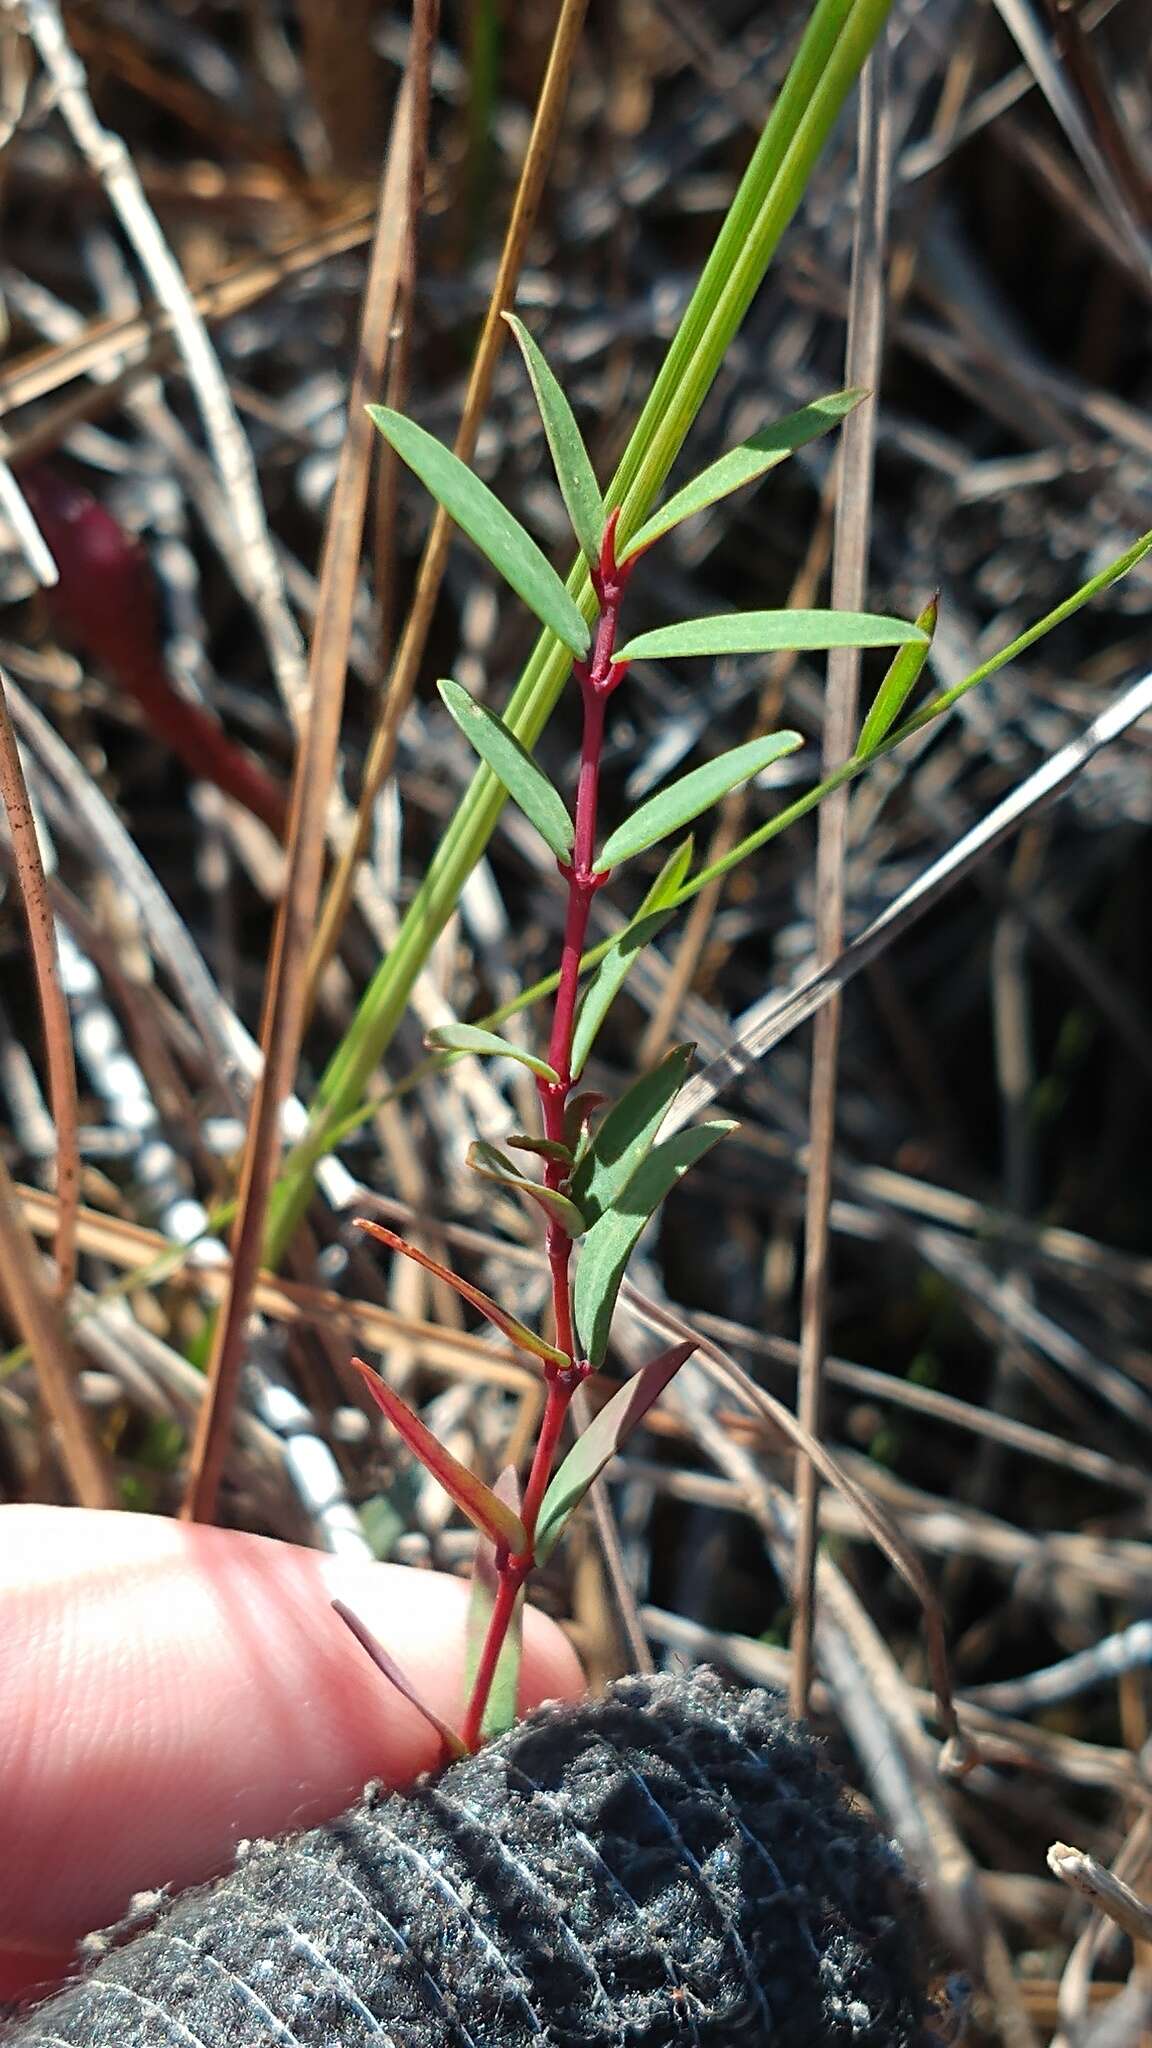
598	677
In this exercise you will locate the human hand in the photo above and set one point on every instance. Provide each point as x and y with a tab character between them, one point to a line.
167	1690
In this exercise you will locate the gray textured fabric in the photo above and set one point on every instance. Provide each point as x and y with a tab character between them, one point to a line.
673	1864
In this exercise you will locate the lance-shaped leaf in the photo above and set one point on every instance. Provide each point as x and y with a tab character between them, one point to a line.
396	1675
628	1134
489	523
613	970
770	633
610	1242
600	1442
500	1712
490	1163
744	464
484	1509
487	1045
525	782
897	686
517	1332
698	791
574	472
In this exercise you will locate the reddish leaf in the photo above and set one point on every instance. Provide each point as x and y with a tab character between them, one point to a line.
599	1443
398	1677
517	1332
483	1508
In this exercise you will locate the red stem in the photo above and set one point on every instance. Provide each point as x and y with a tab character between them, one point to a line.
598	677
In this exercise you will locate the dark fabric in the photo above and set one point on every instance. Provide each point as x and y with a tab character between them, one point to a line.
673	1864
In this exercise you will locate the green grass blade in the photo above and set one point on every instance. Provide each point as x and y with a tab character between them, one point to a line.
692	793
526	784
574	472
770	633
479	514
742	465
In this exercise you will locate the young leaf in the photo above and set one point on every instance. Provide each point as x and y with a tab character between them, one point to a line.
472	1038
484	1509
613	970
517	1332
897	686
627	1135
770	633
698	791
487	522
599	1444
744	464
610	1242
574	472
542	1148
527	784
500	1712
490	1164
396	1675
578	1113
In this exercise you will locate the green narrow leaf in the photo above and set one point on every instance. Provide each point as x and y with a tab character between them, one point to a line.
489	1162
698	791
526	783
607	982
472	1038
500	1713
742	465
610	1242
484	1509
897	686
770	633
617	963
517	1332
601	1440
479	513
396	1675
627	1135
574	471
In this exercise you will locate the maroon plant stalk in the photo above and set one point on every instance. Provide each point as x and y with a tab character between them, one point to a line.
598	677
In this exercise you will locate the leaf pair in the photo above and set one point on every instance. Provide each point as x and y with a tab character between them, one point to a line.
491	1164
511	550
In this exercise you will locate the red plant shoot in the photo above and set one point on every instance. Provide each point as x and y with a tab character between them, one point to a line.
597	677
601	1189
106	602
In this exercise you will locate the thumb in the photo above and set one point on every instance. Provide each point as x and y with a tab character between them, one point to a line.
168	1690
